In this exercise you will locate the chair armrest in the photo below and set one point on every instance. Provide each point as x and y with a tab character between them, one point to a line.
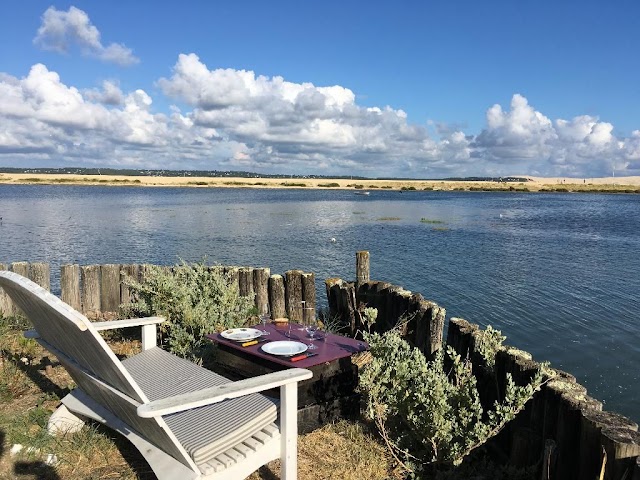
128	322
207	396
148	325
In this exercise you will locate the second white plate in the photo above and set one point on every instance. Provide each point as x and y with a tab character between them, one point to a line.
284	348
241	334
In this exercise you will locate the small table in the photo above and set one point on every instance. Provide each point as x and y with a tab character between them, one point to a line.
327	396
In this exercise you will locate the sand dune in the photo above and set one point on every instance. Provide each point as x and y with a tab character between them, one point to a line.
534	183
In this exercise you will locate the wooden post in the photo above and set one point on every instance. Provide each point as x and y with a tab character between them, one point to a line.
459	335
347	306
622	447
70	286
41	274
362	267
6	305
245	282
309	297
293	294
552	397
570	415
90	275
332	286
132	271
232	274
415	313
636	470
276	296
591	424
109	288
261	288
21	268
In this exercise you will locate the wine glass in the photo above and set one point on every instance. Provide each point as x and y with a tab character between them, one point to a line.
264	318
312	328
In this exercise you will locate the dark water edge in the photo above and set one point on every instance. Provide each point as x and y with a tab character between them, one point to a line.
557	273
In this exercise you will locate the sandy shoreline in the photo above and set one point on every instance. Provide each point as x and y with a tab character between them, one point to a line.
534	183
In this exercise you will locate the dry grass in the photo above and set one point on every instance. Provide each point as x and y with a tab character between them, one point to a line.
32	383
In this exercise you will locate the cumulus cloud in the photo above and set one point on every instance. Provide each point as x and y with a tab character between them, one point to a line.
61	30
236	119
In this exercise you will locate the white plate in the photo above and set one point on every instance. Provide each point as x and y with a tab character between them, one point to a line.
285	348
241	334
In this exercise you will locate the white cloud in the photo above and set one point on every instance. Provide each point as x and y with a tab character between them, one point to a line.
235	119
61	30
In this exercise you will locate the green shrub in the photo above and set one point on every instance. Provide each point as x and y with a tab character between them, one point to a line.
426	415
329	185
195	299
488	342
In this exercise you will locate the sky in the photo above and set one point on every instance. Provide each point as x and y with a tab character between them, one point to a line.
418	89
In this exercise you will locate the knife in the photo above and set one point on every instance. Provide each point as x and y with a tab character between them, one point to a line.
253	342
302	357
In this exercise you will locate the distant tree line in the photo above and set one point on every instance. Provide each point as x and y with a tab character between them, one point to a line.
230	173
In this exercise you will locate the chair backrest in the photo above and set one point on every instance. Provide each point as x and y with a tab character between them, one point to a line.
70	332
88	359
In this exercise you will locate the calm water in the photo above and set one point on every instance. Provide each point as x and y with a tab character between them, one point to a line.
559	274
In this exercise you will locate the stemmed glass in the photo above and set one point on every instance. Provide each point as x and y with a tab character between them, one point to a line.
312	328
310	325
264	318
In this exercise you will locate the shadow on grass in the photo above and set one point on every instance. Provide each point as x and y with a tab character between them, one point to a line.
37	469
35	375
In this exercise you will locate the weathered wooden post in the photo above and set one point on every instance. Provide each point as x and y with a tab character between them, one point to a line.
309	297
332	286
276	296
622	446
261	288
70	286
233	274
21	268
90	275
591	424
41	274
245	282
362	267
459	335
132	271
109	288
293	294
6	305
570	412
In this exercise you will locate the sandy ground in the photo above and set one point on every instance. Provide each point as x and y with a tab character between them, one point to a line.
534	183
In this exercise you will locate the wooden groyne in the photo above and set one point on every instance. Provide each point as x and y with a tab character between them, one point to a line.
562	430
98	290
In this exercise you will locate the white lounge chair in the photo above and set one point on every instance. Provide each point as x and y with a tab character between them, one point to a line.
187	422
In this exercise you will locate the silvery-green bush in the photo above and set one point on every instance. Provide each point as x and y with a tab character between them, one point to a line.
427	415
195	300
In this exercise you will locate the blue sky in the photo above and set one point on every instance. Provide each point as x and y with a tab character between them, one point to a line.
415	89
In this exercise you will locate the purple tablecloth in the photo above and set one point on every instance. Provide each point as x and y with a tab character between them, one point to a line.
332	347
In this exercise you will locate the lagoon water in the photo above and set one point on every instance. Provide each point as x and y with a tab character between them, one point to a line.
559	274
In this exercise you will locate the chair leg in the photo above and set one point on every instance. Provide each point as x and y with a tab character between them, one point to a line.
289	431
63	421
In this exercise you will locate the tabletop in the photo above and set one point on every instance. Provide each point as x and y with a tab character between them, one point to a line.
330	348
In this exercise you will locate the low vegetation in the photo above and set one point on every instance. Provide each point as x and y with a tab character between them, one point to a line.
195	299
431	417
431	221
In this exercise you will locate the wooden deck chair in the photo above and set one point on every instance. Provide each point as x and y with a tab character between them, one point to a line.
187	422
